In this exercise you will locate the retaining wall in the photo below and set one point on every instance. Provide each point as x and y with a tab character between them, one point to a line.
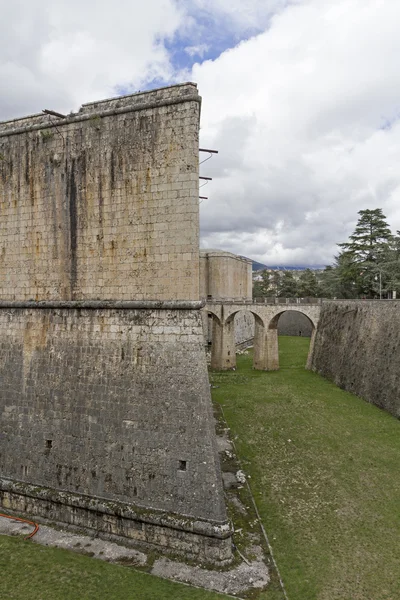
357	346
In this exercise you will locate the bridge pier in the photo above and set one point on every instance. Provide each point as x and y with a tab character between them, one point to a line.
260	345
223	349
272	350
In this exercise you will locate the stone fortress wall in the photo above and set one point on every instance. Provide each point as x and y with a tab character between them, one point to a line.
357	346
106	417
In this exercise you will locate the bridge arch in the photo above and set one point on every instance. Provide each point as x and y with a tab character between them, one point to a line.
272	335
231	310
214	334
266	316
273	321
214	315
255	314
259	334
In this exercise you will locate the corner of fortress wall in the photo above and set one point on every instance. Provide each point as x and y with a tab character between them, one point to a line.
105	406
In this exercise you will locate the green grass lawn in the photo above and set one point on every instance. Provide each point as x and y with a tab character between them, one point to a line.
33	572
324	469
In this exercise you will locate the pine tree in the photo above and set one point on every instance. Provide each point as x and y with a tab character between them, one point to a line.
370	237
330	282
360	262
348	275
390	266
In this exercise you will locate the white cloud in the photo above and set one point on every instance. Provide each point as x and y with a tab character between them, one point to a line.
63	53
297	113
305	114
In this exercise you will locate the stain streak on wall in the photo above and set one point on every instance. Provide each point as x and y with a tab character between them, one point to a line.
81	182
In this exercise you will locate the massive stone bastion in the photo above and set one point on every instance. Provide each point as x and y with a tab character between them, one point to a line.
106	417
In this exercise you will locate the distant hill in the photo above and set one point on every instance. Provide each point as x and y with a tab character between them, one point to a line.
257	266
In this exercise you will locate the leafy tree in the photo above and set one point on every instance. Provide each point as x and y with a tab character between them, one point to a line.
275	282
329	282
287	286
263	288
308	286
257	293
266	283
348	275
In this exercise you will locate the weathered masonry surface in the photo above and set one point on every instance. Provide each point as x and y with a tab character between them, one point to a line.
358	347
104	203
225	275
105	408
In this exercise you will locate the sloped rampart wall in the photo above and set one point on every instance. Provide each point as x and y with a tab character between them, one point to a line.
357	346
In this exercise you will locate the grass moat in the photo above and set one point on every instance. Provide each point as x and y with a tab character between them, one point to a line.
323	466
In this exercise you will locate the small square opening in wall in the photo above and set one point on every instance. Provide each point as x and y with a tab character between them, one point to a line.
182	465
49	444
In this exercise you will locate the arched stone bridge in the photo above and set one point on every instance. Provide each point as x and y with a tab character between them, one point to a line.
266	316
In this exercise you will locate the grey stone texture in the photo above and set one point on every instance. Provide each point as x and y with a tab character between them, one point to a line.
357	346
105	408
111	391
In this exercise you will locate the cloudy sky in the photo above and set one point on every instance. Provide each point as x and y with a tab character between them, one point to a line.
300	97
